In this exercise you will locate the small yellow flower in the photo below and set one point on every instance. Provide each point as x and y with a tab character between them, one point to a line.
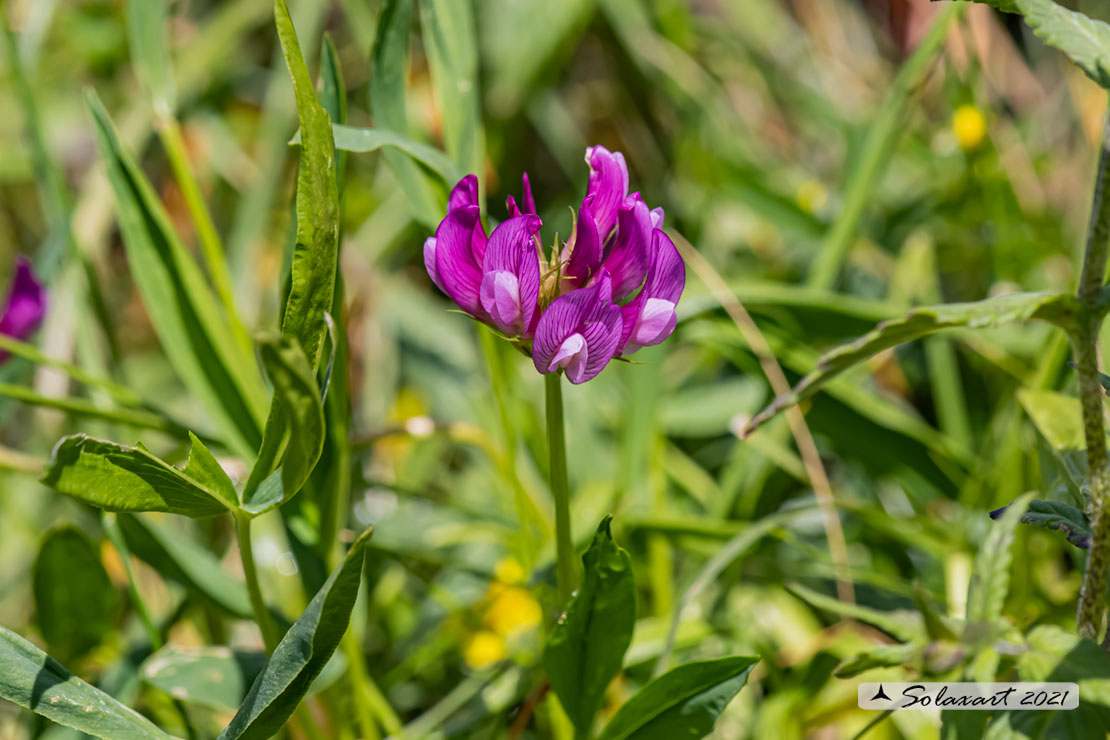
508	570
812	196
483	649
969	126
512	612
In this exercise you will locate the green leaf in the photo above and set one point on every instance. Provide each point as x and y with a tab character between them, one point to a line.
879	657
447	28
179	559
586	647
211	676
1056	515
990	578
387	103
365	140
903	625
1056	416
302	653
312	277
85	408
33	680
682	703
113	477
150	51
1054	654
921	322
74	599
190	325
1086	41
294	435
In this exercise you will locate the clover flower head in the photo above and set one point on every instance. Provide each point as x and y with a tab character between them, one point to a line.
611	289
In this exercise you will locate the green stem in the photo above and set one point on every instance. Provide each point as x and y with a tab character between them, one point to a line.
1085	342
261	614
115	536
566	572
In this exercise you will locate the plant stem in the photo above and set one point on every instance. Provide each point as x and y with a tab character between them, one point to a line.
566	572
250	572
1085	343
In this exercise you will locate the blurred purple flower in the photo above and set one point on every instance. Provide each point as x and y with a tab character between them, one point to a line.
25	305
610	290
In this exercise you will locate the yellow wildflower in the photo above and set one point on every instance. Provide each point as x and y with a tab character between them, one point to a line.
812	196
512	612
483	649
969	126
508	570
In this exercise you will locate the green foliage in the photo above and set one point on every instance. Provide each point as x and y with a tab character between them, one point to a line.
118	478
1069	520
183	561
990	578
213	677
302	653
35	681
387	103
146	29
315	254
195	334
74	599
294	435
684	702
921	322
1085	40
587	645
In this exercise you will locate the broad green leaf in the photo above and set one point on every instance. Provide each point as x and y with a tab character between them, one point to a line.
879	657
35	681
302	653
211	676
113	477
387	104
447	28
192	328
1085	40
364	140
75	601
990	577
179	559
682	703
294	435
1057	417
586	647
312	277
921	322
150	51
1069	520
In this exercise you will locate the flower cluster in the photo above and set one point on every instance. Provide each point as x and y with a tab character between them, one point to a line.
608	291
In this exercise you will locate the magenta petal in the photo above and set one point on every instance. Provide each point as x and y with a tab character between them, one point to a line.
656	218
572	356
562	318
25	306
667	273
585	258
430	261
512	249
459	274
628	258
511	206
529	201
608	186
500	295
465	193
602	338
649	318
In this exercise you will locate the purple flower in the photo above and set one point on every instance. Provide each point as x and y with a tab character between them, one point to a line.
610	290
25	305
